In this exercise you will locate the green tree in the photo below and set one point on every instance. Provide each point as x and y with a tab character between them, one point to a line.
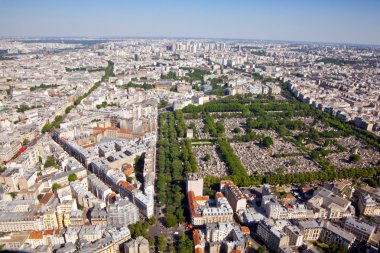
55	187
233	162
72	177
170	220
46	128
171	247
179	213
50	162
267	142
185	245
140	228
69	108
207	157
13	195
150	240
354	158
161	243
40	196
152	221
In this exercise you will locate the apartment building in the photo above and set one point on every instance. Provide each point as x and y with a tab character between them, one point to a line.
295	236
97	187
368	205
76	217
310	229
313	230
328	205
216	232
138	245
50	219
99	217
275	210
14	241
91	233
83	196
360	229
45	238
20	221
274	238
203	211
8	149
230	236
64	208
234	195
145	203
122	213
336	235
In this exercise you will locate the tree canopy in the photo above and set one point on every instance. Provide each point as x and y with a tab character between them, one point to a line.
72	177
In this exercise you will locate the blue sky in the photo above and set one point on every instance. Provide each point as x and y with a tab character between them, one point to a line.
354	21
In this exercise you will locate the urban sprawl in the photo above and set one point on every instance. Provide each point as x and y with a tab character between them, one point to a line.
198	145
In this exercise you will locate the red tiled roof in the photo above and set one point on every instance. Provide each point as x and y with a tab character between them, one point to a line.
196	237
198	250
219	195
46	198
306	189
192	204
129	171
245	230
126	185
288	196
48	232
89	145
201	198
111	195
35	235
124	131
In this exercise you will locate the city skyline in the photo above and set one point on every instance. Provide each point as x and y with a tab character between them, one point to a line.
312	21
190	126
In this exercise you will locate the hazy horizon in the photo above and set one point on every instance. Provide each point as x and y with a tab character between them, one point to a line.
348	22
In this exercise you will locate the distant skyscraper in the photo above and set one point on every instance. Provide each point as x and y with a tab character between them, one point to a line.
194	49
